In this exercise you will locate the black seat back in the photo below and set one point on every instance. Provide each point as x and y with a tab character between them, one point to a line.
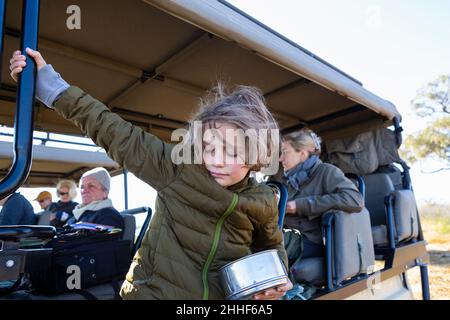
130	228
129	231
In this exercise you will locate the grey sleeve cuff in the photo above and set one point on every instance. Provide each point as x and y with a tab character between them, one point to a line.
301	207
49	85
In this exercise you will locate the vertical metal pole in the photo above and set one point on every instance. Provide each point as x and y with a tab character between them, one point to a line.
327	227
425	282
2	28
125	187
329	258
23	118
388	201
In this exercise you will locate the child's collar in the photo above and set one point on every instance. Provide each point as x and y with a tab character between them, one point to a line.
241	184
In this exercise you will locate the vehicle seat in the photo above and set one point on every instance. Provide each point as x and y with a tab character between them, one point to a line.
43	218
394	174
378	186
383	200
129	231
310	271
349	250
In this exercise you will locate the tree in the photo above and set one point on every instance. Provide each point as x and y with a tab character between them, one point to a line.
432	103
433	99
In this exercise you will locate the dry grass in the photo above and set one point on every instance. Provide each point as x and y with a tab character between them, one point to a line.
436	228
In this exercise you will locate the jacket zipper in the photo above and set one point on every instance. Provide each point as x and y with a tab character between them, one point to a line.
215	244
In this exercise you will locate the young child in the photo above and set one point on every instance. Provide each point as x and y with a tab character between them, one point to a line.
207	215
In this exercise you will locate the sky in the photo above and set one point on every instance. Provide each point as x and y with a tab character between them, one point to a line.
392	47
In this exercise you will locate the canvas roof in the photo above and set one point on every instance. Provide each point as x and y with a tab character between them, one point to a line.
50	164
151	66
150	61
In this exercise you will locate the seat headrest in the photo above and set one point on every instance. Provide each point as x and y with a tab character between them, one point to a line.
379	182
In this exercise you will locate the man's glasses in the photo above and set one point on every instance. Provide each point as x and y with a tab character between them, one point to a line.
62	193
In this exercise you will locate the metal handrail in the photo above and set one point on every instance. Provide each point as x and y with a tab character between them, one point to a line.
327	227
144	227
23	118
361	183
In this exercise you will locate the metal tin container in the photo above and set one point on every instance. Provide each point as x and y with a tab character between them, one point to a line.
252	274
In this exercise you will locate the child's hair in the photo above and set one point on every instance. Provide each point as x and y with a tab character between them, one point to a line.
304	139
245	108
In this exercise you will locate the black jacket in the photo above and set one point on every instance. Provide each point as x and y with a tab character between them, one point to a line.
58	208
63	206
106	216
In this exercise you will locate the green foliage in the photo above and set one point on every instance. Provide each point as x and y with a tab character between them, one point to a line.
433	98
432	102
433	141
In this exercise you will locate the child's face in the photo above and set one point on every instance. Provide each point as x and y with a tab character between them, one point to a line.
223	159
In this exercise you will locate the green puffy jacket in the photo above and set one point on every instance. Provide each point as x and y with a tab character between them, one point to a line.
195	230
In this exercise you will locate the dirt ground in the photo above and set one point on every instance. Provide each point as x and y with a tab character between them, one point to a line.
439	268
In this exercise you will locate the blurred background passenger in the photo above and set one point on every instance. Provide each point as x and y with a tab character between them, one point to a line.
96	207
16	210
63	209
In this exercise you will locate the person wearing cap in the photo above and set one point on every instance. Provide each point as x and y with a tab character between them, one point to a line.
44	199
95	206
62	210
16	210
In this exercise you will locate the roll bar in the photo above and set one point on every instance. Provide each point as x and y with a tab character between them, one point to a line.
24	115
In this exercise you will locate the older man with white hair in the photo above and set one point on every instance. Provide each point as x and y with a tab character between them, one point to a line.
96	207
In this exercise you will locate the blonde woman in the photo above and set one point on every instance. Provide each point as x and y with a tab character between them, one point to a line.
63	209
314	187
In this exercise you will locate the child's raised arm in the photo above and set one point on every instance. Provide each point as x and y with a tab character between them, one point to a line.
140	152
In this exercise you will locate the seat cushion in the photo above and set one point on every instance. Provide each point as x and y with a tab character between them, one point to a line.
379	234
352	245
44	218
405	215
309	270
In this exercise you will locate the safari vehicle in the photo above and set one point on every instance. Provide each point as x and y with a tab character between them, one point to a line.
151	60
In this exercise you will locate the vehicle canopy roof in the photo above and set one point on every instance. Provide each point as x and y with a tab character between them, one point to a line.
51	164
151	60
